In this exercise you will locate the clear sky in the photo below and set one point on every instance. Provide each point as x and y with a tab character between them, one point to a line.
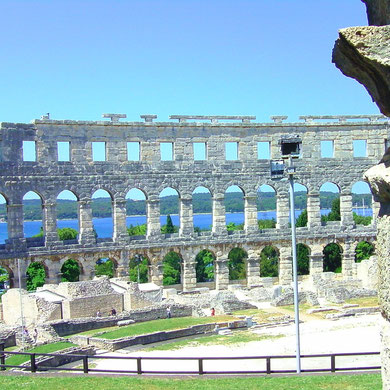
79	59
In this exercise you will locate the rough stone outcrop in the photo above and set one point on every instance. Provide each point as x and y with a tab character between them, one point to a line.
378	12
363	53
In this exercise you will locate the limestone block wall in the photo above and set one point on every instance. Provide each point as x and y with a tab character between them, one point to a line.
117	174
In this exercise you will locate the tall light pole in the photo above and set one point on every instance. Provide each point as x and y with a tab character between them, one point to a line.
290	170
21	302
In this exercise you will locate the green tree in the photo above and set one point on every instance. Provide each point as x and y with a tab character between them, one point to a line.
143	269
138	230
303	259
35	276
236	264
301	221
332	258
266	223
67	234
4	276
171	269
170	227
334	214
204	266
104	267
269	259
362	220
70	271
364	250
231	226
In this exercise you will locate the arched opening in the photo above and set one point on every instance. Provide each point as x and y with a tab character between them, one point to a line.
202	207
236	263
234	208
70	271
171	269
36	276
364	250
67	216
5	279
332	258
300	201
32	215
3	220
136	212
102	214
269	262
169	211
205	266
361	203
105	267
303	259
266	207
139	269
330	203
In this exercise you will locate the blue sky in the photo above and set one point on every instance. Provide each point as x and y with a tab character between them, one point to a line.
79	59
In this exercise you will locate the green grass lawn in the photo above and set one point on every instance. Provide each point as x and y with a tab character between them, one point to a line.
320	382
139	328
16	360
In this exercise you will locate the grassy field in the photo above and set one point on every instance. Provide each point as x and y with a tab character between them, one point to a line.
16	360
116	332
321	382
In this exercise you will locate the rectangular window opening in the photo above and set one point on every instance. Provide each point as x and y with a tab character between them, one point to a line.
63	151
231	151
166	151
98	151
29	151
133	151
359	148
200	149
263	151
327	149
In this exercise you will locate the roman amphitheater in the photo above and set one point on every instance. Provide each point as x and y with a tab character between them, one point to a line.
184	172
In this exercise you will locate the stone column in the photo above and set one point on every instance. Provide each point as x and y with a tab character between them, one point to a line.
219	217
282	210
50	223
119	219
153	218
348	260
251	225
346	210
15	222
14	281
221	272
53	275
285	266
316	263
313	210
253	269
157	273
189	275
186	217
87	235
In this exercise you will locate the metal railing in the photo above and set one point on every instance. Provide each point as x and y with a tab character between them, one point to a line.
139	368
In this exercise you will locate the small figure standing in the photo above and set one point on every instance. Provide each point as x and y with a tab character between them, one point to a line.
212	312
35	335
113	312
98	314
169	314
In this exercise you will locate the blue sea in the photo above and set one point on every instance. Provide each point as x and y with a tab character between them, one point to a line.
104	227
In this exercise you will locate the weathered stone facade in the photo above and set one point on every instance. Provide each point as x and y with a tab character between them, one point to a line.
48	177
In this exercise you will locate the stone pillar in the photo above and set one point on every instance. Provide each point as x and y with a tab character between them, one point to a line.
251	225
285	266
221	272
282	210
53	275
348	260
153	218
346	210
253	269
219	217
119	219
14	281
157	273
316	263
186	217
15	221
189	275
88	272
50	223
375	211
87	235
313	210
